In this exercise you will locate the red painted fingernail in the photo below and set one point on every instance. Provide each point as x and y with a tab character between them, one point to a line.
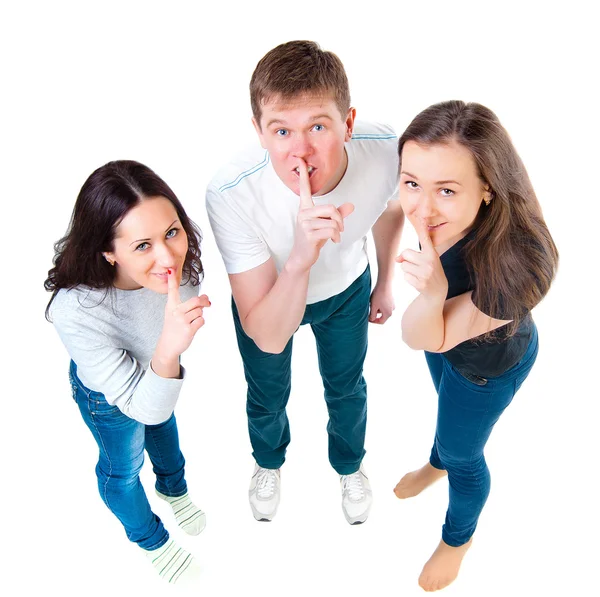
169	272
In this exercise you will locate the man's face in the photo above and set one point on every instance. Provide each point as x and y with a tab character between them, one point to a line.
308	128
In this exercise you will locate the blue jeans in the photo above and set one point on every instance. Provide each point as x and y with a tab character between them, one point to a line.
340	328
121	441
467	413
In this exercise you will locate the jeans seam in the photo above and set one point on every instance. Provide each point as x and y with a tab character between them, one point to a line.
473	451
79	385
105	485
74	379
162	463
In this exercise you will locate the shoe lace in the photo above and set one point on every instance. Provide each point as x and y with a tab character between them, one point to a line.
354	486
266	482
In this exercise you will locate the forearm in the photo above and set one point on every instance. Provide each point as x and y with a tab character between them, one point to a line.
275	318
387	232
153	399
423	323
165	365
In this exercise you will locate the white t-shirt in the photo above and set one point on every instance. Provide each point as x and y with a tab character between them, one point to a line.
253	214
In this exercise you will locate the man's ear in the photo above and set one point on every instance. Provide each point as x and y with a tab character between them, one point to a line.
350	123
258	132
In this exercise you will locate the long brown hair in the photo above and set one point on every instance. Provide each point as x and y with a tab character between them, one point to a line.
512	258
104	200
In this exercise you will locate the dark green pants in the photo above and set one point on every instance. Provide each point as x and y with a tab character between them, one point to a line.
340	328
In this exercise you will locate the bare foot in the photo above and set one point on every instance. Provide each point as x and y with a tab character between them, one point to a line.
443	566
414	483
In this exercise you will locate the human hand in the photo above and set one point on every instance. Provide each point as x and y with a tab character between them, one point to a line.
182	321
382	304
315	225
423	269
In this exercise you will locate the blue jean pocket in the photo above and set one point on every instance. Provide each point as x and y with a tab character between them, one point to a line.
99	406
465	376
74	387
476	379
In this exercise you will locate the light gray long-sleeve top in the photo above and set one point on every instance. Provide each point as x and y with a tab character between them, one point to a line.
111	338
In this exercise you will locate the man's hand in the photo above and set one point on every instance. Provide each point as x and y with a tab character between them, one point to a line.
382	304
315	225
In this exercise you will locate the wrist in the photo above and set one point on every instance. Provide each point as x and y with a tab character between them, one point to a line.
436	300
384	280
164	358
167	367
295	268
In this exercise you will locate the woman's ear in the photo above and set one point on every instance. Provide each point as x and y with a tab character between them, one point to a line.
109	257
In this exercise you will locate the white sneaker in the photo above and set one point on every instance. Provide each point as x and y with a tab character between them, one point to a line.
356	496
264	492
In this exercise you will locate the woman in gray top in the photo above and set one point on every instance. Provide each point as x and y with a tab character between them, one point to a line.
125	304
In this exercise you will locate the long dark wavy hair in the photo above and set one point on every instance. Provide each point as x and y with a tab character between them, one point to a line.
512	258
103	201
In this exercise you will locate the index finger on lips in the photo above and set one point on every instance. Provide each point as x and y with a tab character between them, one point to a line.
306	200
424	237
173	287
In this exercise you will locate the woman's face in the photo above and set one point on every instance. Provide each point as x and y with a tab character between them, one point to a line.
149	240
440	185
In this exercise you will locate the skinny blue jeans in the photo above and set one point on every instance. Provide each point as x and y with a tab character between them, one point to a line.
340	328
467	413
121	442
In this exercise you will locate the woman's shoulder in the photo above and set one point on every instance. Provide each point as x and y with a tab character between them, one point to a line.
79	304
69	300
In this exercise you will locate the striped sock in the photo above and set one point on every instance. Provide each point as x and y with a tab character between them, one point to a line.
173	563
189	517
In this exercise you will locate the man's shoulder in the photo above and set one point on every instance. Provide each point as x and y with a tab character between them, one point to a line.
375	144
246	164
370	132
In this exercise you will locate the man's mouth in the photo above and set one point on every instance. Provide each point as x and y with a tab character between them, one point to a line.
311	169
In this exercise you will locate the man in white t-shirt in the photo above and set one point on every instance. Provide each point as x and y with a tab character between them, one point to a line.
290	221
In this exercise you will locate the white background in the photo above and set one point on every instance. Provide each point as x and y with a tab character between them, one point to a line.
167	85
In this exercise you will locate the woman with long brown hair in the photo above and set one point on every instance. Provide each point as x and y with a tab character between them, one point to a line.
486	260
125	304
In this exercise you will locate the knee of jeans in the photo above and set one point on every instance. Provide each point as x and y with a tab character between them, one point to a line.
346	388
464	463
123	472
267	403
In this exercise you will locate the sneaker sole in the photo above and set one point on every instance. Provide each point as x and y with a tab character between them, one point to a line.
357	519
260	517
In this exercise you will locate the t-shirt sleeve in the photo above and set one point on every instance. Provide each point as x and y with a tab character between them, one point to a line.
499	311
239	244
140	394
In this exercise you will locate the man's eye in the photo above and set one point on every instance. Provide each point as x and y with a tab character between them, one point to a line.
318	127
281	132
